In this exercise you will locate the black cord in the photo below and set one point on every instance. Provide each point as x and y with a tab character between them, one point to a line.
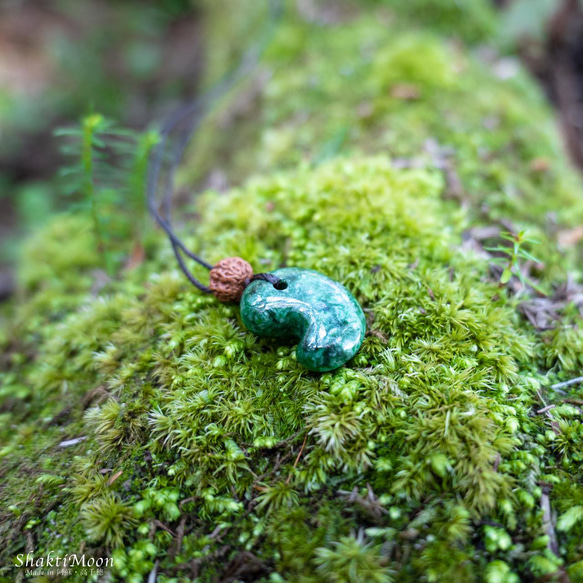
187	119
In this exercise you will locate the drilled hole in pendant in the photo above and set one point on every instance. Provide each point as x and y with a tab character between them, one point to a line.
280	285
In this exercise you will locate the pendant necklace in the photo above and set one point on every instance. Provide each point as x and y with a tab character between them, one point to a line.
288	303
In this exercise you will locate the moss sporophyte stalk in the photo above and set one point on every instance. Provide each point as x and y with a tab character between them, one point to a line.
446	449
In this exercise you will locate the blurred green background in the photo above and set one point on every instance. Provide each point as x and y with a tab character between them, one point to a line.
134	61
131	61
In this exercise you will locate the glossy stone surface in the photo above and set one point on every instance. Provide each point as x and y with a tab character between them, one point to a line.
316	310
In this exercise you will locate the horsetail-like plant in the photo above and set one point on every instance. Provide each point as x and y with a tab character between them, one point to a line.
107	180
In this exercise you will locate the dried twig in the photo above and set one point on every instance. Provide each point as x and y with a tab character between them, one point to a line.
575	381
70	442
153	573
179	537
114	477
186	501
548	522
164	527
575	402
297	458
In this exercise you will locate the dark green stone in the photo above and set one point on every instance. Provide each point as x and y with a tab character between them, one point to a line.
314	309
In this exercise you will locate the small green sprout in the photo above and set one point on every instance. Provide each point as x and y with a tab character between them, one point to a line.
510	262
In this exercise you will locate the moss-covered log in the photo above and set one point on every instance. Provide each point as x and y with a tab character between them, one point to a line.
140	421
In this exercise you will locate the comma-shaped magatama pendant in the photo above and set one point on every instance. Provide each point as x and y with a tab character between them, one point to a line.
320	312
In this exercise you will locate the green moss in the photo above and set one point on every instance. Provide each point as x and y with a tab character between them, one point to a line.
471	20
335	90
417	60
211	452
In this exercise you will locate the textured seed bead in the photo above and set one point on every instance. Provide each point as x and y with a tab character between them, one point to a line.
229	277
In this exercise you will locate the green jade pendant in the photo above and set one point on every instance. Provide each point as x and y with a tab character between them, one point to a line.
320	312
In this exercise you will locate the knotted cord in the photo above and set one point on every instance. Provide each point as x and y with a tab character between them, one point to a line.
183	123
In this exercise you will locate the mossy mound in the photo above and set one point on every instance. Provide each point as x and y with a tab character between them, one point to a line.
375	85
439	453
